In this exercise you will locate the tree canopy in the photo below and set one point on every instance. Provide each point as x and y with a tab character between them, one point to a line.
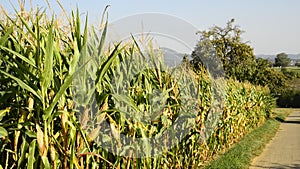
237	58
282	59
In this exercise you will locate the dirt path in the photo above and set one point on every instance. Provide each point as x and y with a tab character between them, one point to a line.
283	151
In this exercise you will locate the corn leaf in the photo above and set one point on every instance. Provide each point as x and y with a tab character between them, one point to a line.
23	85
66	84
31	155
3	112
3	132
23	150
26	60
46	162
4	38
104	68
48	63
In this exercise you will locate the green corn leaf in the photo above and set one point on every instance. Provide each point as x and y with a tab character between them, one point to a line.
74	61
77	30
103	36
38	45
24	72
85	33
23	149
49	56
138	47
30	62
46	162
3	112
31	155
63	88
24	22
66	84
127	100
23	85
107	64
4	38
3	132
146	145
47	74
30	133
100	47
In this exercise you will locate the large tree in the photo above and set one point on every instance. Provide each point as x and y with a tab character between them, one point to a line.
236	56
282	59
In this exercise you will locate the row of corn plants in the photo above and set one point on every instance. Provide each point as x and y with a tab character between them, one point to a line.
60	87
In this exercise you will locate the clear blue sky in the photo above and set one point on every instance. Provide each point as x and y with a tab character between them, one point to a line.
271	26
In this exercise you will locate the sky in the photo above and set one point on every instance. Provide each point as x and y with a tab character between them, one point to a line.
271	26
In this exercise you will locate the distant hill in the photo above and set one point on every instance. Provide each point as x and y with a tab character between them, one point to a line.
171	57
293	57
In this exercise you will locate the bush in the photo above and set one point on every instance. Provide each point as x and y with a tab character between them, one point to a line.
289	99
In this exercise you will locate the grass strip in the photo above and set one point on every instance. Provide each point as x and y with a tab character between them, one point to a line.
242	153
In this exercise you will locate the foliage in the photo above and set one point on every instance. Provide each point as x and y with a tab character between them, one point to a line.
294	84
289	98
267	76
242	154
290	72
46	104
237	58
38	61
282	59
239	110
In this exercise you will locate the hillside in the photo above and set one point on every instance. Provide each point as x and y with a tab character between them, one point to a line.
294	57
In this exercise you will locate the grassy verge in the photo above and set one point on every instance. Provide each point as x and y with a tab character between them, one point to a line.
241	155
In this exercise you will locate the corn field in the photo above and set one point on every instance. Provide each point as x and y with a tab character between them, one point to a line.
55	76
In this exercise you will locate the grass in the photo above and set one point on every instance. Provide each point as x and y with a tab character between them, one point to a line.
290	72
292	69
295	68
242	153
294	84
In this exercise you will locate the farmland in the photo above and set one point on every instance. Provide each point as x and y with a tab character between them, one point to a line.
293	72
60	87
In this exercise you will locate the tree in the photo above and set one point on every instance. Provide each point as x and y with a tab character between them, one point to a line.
282	59
265	75
236	56
264	62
